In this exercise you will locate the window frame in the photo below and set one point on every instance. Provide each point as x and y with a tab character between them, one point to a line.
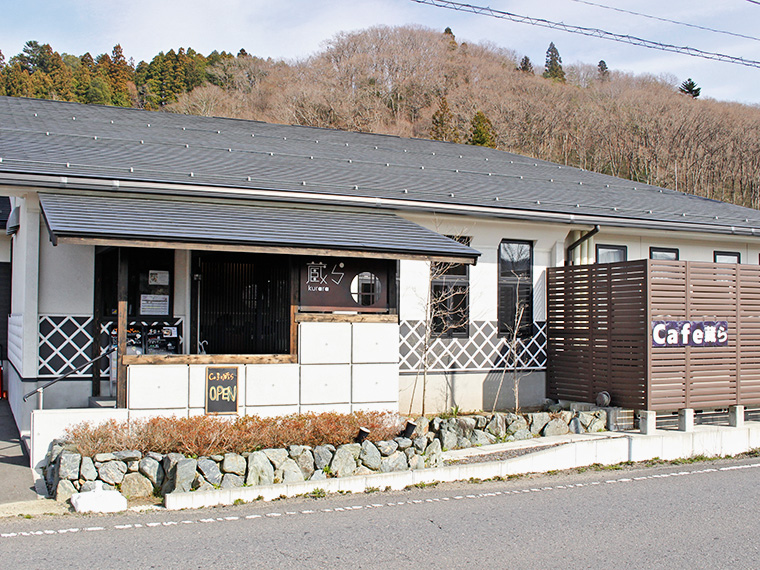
526	327
674	250
446	276
611	247
735	254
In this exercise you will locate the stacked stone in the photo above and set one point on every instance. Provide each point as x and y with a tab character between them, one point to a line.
138	476
483	429
67	472
135	475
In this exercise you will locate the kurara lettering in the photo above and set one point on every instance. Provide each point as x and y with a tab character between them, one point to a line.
689	333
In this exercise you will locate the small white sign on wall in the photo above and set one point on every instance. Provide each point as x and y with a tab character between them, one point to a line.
157	277
154	304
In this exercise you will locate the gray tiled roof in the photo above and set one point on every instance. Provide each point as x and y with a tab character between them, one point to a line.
107	217
109	143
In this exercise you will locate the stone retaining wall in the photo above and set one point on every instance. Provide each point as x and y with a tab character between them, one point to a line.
137	475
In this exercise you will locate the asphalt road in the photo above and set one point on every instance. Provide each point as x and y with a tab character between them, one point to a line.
701	515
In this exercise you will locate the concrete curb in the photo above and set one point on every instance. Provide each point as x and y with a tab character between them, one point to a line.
610	450
33	508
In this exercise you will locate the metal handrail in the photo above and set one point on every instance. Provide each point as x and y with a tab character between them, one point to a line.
69	373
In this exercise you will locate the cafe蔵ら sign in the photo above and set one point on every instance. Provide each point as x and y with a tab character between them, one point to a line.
689	333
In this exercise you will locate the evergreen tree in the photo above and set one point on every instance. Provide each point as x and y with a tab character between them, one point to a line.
690	88
99	91
482	132
34	57
61	80
195	69
83	77
447	33
17	81
526	65
442	128
554	64
2	60
120	74
42	86
604	72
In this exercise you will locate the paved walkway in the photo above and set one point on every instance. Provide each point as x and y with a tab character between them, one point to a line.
16	477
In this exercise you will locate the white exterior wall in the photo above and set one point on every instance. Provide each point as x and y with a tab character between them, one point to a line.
67	277
25	280
692	247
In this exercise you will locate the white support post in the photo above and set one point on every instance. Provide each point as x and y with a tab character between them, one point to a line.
736	416
686	419
647	422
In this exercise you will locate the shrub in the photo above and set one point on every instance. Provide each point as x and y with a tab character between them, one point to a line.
207	435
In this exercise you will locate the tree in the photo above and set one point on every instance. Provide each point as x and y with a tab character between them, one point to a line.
83	77
690	88
61	80
482	132
446	313
554	64
34	57
604	72
120	74
443	123
17	81
2	60
99	91
452	39
526	65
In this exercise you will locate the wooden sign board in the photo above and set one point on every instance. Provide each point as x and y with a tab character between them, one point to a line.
221	390
328	284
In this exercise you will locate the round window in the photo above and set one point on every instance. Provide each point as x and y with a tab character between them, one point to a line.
365	289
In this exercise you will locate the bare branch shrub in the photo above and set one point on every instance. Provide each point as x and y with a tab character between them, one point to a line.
207	435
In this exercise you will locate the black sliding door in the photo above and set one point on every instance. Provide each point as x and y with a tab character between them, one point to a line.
241	303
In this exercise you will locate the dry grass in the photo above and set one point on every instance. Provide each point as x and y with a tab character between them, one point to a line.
206	435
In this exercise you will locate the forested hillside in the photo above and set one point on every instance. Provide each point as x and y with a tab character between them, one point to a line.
418	82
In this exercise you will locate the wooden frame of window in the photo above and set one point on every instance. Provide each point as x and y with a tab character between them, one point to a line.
450	296
664	253
725	254
602	247
515	286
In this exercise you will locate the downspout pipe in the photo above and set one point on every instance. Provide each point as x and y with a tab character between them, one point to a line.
579	241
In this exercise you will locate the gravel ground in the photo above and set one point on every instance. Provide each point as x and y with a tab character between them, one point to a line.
498	455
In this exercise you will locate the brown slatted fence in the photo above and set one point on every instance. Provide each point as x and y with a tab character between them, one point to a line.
599	334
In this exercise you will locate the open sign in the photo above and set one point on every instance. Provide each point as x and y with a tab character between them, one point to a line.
221	390
689	333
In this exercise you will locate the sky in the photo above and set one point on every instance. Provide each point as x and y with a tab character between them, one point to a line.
295	29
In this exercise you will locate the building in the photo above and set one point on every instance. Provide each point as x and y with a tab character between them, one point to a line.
244	267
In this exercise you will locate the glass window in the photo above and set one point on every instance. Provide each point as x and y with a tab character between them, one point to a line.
450	299
727	257
516	287
664	253
611	253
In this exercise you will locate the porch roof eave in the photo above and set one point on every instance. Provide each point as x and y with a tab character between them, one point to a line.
132	222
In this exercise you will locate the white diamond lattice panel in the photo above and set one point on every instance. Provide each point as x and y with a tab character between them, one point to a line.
484	349
65	342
